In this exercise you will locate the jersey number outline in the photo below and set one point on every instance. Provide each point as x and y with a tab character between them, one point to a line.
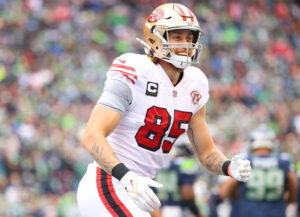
265	184
157	122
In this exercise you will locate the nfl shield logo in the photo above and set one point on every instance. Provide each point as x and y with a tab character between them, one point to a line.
174	93
196	96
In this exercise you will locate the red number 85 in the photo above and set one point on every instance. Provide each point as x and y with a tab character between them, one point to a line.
157	122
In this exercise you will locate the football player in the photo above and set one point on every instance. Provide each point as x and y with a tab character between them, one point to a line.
272	184
178	178
148	101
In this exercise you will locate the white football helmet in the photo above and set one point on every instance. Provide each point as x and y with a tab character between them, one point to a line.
166	18
183	147
262	137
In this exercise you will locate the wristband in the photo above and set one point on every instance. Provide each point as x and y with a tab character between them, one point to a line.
119	171
226	167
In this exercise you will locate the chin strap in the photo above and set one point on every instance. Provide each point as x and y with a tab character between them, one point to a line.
179	62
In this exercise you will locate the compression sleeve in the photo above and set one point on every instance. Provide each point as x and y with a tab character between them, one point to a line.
116	95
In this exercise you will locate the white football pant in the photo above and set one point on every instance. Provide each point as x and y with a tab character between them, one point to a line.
101	195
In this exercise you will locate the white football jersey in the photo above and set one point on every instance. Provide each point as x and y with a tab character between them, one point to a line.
159	112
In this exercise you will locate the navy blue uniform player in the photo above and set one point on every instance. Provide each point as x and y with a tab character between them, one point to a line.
178	179
263	194
272	183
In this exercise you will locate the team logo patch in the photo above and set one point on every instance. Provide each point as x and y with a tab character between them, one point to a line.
196	96
156	15
152	89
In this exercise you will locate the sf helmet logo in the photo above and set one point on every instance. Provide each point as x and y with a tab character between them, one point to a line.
196	96
156	15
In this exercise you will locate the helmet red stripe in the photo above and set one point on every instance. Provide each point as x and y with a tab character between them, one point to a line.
190	13
181	12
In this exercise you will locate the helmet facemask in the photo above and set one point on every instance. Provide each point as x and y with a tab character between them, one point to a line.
192	53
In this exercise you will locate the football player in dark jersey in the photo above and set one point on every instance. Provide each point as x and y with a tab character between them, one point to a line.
272	184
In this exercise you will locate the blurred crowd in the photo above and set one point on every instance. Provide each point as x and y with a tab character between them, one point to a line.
54	55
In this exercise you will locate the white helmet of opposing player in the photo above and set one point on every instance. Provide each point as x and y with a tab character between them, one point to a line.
183	147
262	137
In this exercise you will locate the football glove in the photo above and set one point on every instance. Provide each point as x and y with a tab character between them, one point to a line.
239	168
139	191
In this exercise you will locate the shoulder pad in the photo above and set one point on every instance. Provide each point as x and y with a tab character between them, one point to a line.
197	73
188	166
285	156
